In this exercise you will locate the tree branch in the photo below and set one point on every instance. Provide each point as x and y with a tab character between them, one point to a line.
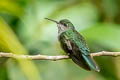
53	58
33	57
105	53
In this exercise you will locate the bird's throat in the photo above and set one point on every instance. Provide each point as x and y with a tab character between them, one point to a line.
61	29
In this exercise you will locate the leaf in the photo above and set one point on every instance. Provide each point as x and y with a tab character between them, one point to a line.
11	42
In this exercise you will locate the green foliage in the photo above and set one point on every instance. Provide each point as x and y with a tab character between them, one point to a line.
106	38
23	30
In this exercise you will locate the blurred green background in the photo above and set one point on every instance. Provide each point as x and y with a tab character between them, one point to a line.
23	30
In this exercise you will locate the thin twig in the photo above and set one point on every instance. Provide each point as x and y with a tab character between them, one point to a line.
33	57
54	58
105	53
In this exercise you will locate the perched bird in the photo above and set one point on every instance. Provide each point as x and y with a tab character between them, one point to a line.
73	43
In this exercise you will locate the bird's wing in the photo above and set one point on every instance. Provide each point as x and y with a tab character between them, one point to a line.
73	43
75	53
80	43
73	38
80	48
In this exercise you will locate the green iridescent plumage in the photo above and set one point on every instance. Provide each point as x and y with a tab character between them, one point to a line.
74	45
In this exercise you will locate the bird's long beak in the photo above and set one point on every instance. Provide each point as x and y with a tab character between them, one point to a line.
52	20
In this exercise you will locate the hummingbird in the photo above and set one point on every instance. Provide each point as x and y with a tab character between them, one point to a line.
74	44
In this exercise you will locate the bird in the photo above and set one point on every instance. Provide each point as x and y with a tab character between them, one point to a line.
74	45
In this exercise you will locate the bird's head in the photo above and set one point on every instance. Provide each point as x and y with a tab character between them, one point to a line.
63	25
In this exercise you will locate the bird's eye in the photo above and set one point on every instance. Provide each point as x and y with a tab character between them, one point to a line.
65	25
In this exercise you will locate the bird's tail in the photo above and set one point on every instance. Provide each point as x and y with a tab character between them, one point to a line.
85	62
80	62
91	62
